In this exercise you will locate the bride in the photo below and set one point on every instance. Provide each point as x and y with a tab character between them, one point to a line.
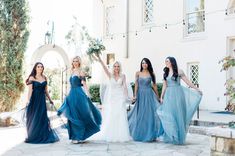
115	124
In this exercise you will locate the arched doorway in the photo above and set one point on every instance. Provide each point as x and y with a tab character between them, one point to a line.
61	73
38	54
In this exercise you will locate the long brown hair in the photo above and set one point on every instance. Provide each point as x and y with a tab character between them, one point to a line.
174	67
150	68
34	72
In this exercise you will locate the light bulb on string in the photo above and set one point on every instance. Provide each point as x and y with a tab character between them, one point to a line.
182	21
123	36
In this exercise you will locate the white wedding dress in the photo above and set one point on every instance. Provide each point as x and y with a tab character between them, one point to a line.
114	126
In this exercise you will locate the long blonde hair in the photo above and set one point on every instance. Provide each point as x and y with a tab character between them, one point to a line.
80	61
120	68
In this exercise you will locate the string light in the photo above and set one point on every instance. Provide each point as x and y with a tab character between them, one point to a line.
165	26
183	22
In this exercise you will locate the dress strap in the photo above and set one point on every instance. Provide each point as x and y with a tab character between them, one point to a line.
29	82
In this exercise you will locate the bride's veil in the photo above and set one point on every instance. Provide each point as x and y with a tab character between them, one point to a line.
104	90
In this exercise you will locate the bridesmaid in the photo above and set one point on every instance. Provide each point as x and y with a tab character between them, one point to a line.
178	103
84	119
37	122
143	120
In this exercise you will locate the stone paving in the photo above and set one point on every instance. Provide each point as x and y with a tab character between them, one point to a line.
11	144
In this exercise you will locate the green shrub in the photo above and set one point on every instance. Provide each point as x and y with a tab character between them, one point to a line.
14	33
159	88
94	90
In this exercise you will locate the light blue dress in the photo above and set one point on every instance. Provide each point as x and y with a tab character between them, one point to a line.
143	120
176	112
84	119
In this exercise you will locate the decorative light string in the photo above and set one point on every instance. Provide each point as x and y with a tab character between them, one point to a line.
166	25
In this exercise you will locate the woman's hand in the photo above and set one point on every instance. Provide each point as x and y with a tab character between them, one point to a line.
51	102
133	100
161	100
199	91
96	57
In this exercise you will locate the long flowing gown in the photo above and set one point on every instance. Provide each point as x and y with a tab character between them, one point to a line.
84	119
115	124
37	121
176	112
144	122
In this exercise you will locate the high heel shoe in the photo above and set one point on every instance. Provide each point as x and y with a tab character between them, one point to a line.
75	141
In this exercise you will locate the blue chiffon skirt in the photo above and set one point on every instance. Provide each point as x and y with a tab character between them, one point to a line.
84	119
143	120
176	112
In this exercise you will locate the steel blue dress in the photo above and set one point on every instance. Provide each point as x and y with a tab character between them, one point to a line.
143	120
84	119
38	126
176	112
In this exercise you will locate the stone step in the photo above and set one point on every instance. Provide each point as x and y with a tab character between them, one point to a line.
221	131
207	123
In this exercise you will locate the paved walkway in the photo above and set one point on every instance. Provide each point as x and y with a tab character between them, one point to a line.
11	144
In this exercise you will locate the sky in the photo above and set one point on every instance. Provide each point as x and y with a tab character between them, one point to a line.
61	12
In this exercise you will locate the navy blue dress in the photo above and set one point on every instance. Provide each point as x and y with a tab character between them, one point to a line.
37	122
84	119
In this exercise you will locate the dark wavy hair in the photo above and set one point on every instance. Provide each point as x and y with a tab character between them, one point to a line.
34	72
150	68
174	67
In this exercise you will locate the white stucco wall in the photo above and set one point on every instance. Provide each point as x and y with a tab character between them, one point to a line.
207	48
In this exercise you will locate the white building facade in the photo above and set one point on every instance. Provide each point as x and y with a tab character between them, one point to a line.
198	33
